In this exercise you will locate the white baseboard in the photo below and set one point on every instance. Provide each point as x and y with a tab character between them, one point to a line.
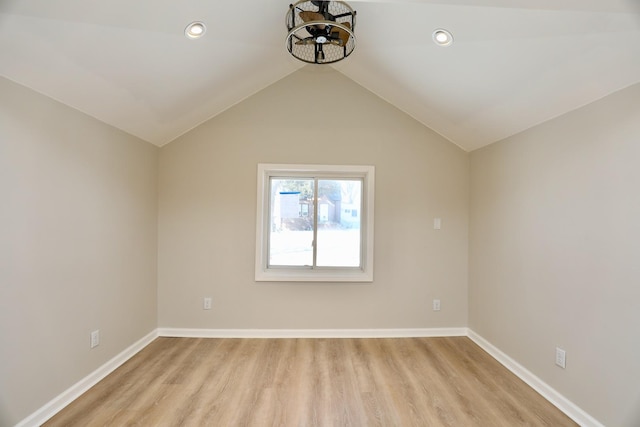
58	403
312	333
558	400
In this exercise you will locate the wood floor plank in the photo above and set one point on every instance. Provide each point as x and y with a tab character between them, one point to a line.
311	382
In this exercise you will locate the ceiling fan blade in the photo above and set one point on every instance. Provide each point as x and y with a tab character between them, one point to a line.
343	36
306	41
313	16
307	16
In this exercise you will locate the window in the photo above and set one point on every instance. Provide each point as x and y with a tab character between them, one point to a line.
314	223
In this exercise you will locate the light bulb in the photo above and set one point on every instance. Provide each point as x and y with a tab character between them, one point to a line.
442	37
195	30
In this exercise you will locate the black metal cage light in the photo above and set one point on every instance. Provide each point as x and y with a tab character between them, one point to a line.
321	32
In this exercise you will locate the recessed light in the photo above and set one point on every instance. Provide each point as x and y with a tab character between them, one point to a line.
442	37
195	30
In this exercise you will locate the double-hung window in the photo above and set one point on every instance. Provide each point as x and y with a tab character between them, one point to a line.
314	223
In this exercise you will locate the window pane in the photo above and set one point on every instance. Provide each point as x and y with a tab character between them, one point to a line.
339	202
291	222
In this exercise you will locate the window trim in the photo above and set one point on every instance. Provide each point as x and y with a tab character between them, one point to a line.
323	274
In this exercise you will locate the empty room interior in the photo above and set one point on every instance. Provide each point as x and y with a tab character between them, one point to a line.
500	188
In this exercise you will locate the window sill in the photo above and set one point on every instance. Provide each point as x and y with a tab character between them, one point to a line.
313	275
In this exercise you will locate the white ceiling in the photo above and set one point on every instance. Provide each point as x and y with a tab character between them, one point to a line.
514	63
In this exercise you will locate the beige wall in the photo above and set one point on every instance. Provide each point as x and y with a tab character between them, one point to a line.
77	246
207	209
555	253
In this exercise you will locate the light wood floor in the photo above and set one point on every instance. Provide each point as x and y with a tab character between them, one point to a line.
311	382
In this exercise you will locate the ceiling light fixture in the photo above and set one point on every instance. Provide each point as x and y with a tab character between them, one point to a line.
442	37
195	30
320	32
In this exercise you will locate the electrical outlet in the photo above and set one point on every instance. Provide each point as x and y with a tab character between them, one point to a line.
95	338
436	305
207	303
561	358
437	223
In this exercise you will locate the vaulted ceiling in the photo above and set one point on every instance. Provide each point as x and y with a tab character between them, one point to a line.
514	63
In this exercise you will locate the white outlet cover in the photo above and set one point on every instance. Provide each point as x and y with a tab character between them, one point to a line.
95	338
561	358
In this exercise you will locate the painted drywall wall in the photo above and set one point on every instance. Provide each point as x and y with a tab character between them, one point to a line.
555	250
78	227
207	209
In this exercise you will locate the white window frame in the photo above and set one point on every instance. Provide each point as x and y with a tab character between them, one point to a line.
364	273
